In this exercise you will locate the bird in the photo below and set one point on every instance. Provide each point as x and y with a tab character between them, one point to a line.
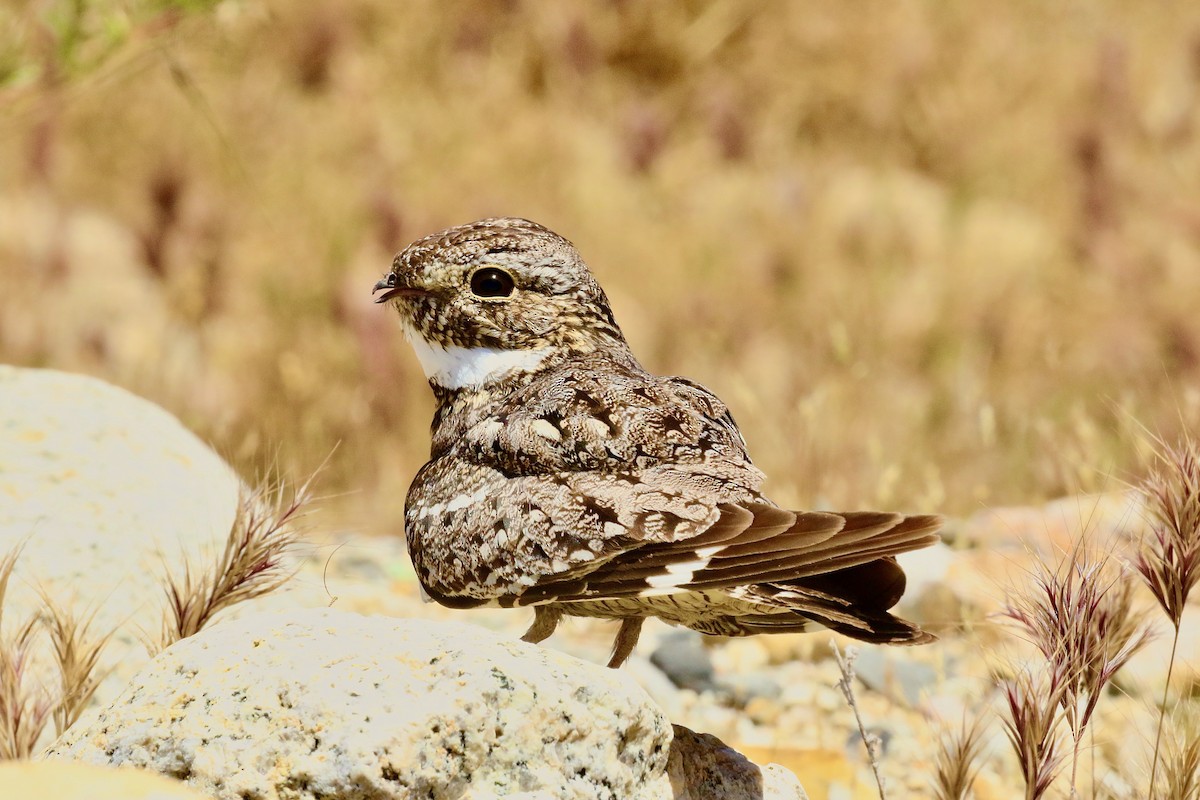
565	477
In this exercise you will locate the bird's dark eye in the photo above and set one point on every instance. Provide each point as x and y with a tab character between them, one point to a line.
491	282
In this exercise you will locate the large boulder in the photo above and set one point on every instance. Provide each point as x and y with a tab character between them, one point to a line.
104	489
329	704
105	493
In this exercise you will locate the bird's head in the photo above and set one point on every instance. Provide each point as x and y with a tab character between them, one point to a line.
496	298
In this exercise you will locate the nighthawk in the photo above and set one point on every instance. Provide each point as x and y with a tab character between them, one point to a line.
566	477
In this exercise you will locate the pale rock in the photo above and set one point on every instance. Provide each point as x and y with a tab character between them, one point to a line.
924	568
743	687
657	685
324	703
822	768
1146	672
103	492
683	658
741	654
27	780
702	767
106	493
994	551
1105	520
101	488
763	711
882	670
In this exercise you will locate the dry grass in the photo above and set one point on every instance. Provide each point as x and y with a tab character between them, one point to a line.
1168	559
1032	723
870	740
1181	763
251	565
933	257
76	654
253	562
1083	621
958	760
1079	615
25	706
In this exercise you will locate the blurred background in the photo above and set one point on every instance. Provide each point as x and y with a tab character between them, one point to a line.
935	256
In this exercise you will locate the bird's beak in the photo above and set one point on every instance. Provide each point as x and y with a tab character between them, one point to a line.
391	290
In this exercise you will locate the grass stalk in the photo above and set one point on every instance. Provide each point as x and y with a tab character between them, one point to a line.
1162	713
1168	557
870	741
957	762
253	562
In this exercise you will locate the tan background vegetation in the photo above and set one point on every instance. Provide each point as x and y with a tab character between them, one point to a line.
934	255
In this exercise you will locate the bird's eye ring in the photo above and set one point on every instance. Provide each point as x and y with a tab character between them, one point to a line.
491	282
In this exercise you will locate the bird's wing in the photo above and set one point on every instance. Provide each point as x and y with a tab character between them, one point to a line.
611	483
747	544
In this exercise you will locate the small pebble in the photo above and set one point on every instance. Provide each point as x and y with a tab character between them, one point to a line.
682	657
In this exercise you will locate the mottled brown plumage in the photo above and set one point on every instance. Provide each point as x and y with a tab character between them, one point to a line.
565	477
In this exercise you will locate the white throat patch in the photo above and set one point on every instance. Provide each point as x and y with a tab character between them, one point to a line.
457	367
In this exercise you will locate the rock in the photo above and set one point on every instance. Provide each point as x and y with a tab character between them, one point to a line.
1146	672
324	703
924	568
762	711
995	549
825	771
101	486
742	654
854	741
105	493
784	648
1105	520
682	657
102	490
942	610
26	780
894	676
744	687
665	694
702	767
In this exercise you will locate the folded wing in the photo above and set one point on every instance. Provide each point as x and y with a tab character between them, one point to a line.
827	558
